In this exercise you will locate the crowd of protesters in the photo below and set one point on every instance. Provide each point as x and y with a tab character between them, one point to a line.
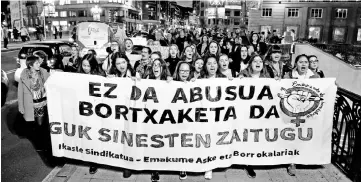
192	55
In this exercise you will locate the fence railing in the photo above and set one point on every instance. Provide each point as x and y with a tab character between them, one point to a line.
346	134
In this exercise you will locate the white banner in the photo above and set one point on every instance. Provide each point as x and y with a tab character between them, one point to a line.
195	126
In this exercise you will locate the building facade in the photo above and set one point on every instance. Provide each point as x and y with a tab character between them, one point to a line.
227	14
326	21
67	13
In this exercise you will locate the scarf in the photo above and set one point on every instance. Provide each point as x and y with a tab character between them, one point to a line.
308	74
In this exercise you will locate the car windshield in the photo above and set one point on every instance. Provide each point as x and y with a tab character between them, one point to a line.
26	51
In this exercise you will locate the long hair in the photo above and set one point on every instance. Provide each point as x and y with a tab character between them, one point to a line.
298	58
163	74
194	67
176	72
174	45
94	68
207	54
184	57
252	37
205	66
113	69
248	71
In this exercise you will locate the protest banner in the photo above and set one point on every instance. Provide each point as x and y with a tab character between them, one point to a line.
194	126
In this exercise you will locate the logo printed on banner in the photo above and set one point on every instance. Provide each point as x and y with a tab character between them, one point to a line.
301	100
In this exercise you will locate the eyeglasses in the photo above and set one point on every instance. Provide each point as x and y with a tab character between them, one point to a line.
184	71
314	61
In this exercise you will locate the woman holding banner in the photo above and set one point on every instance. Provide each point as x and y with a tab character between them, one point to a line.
300	71
197	69
182	72
121	67
32	102
89	65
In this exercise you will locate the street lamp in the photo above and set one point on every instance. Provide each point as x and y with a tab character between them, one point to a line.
96	10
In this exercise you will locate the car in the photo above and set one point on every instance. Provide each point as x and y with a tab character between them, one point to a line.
51	48
4	87
141	34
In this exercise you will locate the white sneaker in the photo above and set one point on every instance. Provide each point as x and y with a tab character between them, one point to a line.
208	175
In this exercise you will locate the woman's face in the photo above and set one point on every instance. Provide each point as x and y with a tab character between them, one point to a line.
157	68
184	71
41	60
194	48
244	52
154	57
173	51
212	66
213	48
86	66
121	65
199	65
169	36
276	56
189	52
250	50
302	65
223	62
74	51
254	37
181	33
36	65
128	45
229	46
234	36
115	47
205	39
210	39
257	64
313	63
221	42
229	34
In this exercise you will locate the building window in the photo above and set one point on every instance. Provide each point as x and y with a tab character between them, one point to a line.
314	32
67	2
358	39
316	12
209	21
339	34
82	13
63	14
341	13
227	13
267	12
236	21
56	14
202	4
202	13
79	1
72	13
293	12
237	13
61	2
93	1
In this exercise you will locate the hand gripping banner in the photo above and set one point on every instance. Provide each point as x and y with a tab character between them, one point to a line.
193	126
